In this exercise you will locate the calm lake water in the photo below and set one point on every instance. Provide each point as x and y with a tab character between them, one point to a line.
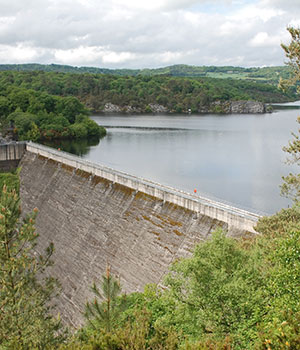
234	158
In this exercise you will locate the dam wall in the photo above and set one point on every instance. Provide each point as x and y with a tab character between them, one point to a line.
10	155
237	219
96	216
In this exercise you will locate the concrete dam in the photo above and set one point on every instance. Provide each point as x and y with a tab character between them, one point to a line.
96	216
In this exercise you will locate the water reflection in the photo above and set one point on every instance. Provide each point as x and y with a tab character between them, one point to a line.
80	147
235	158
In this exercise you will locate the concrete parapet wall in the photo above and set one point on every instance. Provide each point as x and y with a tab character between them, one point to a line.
237	219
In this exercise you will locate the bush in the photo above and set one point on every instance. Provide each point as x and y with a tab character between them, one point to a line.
78	131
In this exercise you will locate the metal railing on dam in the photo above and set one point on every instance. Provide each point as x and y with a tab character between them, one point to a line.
235	217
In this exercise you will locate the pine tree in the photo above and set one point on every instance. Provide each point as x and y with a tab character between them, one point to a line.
292	52
25	321
291	185
103	312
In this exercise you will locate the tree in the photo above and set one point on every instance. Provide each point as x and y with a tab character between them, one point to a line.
4	107
291	185
279	244
216	292
25	320
292	52
104	314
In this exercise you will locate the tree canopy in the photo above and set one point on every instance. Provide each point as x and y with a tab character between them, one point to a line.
25	320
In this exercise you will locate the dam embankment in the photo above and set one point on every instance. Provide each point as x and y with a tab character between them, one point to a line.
97	216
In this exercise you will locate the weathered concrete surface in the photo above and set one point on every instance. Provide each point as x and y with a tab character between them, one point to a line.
10	155
237	219
93	221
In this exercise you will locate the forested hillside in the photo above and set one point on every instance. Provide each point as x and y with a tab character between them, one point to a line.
36	115
265	74
138	93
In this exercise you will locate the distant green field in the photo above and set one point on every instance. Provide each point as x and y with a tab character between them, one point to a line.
260	74
222	75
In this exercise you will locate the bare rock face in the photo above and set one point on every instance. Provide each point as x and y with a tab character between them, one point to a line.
131	110
111	108
247	107
157	108
234	107
222	107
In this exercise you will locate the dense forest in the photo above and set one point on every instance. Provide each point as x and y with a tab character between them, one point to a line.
265	74
140	93
37	115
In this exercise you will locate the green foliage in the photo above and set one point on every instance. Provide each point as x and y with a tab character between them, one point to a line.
268	74
38	116
70	107
229	295
281	335
209	344
291	185
292	52
78	130
281	246
10	180
25	322
136	334
177	94
104	314
5	107
217	291
24	124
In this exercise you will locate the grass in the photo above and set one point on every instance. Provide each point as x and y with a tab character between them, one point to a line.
238	76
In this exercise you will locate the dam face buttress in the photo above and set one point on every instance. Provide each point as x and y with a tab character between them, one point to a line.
137	227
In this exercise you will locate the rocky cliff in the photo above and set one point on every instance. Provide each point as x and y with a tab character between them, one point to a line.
225	107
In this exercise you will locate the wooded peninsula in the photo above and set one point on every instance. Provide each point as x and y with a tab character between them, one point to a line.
43	105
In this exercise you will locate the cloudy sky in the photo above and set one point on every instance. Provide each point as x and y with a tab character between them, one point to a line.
146	33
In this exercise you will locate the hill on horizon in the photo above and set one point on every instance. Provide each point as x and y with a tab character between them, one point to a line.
263	75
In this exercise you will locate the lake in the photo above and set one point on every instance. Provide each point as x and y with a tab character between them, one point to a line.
232	158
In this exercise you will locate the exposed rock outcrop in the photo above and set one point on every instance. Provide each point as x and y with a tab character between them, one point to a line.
222	107
234	107
131	110
157	108
247	107
111	108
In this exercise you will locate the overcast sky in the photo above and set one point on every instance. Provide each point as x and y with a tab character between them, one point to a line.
146	33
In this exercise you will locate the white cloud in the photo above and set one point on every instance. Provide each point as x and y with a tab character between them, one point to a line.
288	5
78	55
120	57
263	39
20	53
166	5
135	33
